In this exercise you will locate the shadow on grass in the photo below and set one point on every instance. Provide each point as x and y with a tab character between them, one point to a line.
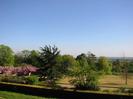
58	93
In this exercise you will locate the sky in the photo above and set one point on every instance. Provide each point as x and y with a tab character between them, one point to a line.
103	27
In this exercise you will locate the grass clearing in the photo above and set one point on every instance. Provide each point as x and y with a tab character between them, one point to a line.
116	81
106	81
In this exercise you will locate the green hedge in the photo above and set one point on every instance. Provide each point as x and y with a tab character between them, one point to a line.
20	79
64	93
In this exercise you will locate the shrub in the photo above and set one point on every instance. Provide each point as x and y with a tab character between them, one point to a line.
14	79
19	79
21	70
31	79
90	83
84	77
126	90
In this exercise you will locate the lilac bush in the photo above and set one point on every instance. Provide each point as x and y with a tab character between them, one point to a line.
26	70
21	70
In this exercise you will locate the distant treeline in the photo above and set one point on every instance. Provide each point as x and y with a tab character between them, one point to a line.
52	65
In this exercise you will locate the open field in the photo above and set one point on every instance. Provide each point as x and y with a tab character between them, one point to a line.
13	95
105	82
116	81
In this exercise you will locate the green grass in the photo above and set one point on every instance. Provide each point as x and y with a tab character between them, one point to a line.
107	80
13	95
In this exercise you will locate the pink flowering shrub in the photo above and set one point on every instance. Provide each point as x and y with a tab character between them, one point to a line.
26	70
21	70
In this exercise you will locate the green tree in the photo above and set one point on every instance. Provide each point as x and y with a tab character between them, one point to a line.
49	57
18	60
130	67
22	57
83	76
90	57
124	70
6	56
27	57
81	56
117	66
34	58
104	65
67	62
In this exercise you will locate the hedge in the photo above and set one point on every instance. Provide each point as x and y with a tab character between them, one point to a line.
59	93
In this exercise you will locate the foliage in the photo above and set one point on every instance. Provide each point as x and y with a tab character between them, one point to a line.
20	79
27	57
126	90
90	57
104	65
7	70
116	66
34	58
67	62
83	76
49	55
130	67
81	56
6	56
26	70
31	79
50	68
13	79
21	70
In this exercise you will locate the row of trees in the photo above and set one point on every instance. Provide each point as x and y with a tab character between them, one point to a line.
50	56
84	68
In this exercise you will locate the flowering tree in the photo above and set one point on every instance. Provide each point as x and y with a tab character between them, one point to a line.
21	70
26	70
7	70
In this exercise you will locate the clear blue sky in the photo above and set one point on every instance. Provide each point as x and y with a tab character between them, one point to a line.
104	27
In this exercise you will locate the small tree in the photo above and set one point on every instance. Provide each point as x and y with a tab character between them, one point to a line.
67	61
104	65
116	66
6	56
26	70
22	57
83	76
34	58
124	70
50	69
90	57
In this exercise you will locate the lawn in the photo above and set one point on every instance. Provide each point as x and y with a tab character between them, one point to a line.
105	82
116	81
13	95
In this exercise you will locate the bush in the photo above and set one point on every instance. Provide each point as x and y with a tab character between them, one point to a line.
84	77
90	83
31	79
126	90
13	79
19	79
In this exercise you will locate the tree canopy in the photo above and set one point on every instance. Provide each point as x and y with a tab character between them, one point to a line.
104	65
6	56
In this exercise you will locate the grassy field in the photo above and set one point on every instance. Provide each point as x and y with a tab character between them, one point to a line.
105	82
13	95
116	81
